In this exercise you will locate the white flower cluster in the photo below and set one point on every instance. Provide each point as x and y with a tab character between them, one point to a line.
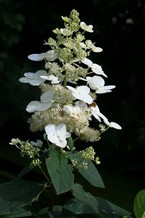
66	107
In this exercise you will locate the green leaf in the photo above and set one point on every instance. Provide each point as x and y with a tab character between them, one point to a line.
85	197
87	169
105	209
91	174
60	171
20	212
70	143
109	210
56	212
77	207
139	204
18	193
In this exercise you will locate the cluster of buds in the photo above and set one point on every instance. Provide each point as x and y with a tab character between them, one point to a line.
30	149
65	107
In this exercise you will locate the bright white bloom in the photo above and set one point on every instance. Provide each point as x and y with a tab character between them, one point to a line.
95	111
81	93
88	28
34	79
112	124
45	102
87	62
38	143
57	134
97	69
97	83
92	46
53	79
49	56
15	141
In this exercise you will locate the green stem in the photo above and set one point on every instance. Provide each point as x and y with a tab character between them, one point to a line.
50	183
65	81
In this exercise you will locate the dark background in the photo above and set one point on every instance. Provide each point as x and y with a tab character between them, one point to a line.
119	28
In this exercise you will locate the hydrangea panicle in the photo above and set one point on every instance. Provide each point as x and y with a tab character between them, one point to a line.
63	109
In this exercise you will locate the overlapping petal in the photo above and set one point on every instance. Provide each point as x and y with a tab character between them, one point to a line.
45	102
81	93
88	28
49	56
97	83
57	134
53	79
96	68
34	79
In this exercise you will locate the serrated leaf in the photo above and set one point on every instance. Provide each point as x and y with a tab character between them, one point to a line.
18	193
60	171
87	169
139	204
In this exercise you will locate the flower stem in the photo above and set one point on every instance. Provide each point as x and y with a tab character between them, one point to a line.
50	183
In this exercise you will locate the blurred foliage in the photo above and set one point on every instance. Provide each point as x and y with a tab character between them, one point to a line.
119	29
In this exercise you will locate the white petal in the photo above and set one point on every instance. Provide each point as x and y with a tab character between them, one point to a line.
97	49
33	106
83	89
36	57
65	32
44	106
105	89
85	98
109	87
24	80
98	70
115	125
29	75
40	73
102	90
50	55
50	128
61	130
87	62
57	134
95	82
88	28
72	89
36	82
52	78
47	96
112	124
97	114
